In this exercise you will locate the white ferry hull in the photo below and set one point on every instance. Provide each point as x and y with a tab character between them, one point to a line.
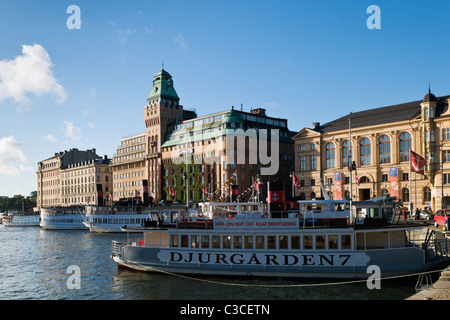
107	227
61	219
150	263
338	265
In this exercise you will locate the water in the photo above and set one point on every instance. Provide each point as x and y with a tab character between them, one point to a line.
34	262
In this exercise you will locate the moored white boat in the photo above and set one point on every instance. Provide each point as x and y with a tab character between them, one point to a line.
285	247
62	218
21	219
112	219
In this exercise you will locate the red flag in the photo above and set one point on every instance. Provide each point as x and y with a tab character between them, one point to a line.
295	181
356	178
417	163
205	190
172	193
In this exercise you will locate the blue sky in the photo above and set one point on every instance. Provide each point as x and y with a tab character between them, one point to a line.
307	61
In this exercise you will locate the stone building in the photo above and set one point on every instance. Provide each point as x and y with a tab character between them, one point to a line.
73	177
379	142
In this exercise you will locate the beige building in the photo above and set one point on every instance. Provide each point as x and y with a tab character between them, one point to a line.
129	168
380	141
73	177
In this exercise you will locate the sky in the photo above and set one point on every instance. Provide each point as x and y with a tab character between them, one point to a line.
65	85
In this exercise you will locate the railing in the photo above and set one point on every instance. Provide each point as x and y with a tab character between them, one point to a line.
117	248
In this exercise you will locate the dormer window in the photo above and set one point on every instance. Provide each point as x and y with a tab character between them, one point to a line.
425	113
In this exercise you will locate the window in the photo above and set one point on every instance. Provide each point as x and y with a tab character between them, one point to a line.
184	240
295	242
302	163
283	242
320	242
333	242
385	149
194	241
426	194
259	241
302	147
174	240
237	242
446	156
205	241
346	241
330	155
226	242
271	242
346	150
313	163
307	242
405	195
248	242
364	149
446	134
216	242
405	146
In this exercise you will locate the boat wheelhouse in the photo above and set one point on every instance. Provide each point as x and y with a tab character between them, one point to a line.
285	247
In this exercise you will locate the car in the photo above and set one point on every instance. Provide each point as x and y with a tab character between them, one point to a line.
423	215
441	218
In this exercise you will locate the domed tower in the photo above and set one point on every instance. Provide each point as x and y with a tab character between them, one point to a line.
162	108
428	113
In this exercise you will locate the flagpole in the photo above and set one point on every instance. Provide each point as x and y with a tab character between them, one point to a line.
349	164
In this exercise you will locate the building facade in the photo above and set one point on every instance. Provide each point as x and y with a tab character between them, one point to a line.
73	177
379	142
129	168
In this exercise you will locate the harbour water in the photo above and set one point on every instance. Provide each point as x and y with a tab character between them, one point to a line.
34	266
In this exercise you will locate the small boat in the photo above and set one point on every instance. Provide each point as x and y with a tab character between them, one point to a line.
62	218
22	219
112	219
286	247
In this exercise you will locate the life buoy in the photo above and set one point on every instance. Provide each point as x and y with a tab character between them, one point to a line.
200	214
299	215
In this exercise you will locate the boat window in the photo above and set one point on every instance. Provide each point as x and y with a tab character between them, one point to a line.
184	240
215	242
320	242
346	241
174	240
195	241
226	242
248	242
205	241
237	242
271	242
295	242
259	242
307	242
332	242
283	242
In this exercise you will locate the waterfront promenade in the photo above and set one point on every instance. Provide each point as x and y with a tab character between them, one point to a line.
440	290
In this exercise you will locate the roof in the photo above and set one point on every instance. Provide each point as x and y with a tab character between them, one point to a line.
394	113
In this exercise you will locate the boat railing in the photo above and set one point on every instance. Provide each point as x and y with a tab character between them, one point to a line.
117	248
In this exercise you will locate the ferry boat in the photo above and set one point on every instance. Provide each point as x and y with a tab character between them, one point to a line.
112	219
22	219
285	247
62	218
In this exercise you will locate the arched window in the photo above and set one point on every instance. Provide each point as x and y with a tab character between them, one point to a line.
425	112
313	195
364	149
405	195
426	194
364	180
385	149
346	148
405	146
330	155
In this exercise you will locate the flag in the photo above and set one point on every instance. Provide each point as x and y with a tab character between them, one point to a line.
356	178
393	173
417	163
337	186
295	181
205	190
172	193
138	194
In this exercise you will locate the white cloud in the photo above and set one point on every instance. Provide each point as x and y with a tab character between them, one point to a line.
91	125
71	131
49	138
179	39
12	158
29	73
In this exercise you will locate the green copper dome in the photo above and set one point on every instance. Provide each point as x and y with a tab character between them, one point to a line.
233	117
163	87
